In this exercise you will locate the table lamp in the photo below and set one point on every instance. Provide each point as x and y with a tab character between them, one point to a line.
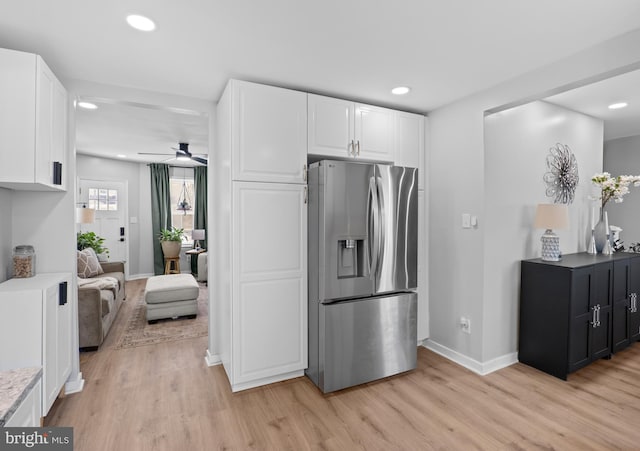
85	215
551	216
197	235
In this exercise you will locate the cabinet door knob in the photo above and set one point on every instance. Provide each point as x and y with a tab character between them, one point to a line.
358	151
304	172
593	321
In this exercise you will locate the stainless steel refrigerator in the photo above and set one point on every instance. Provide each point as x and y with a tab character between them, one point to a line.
363	257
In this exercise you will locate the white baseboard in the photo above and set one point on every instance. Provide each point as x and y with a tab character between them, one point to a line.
481	368
266	380
212	359
74	386
140	276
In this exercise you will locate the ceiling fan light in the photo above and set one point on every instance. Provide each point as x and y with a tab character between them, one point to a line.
617	106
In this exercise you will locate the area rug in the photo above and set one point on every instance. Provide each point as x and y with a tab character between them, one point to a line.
139	333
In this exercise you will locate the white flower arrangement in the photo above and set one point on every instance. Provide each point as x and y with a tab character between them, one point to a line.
614	187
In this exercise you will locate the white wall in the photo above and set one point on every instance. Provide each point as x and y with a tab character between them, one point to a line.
140	250
517	143
6	232
457	185
622	157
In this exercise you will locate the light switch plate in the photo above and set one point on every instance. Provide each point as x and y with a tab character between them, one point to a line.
466	221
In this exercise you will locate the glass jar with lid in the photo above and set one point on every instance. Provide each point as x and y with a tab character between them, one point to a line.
24	261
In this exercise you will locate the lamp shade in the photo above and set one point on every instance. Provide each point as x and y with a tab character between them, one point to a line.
197	234
552	216
85	215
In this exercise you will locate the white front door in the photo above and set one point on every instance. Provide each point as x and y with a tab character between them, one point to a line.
109	198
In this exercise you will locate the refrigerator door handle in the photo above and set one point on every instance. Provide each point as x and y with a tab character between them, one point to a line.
373	216
382	230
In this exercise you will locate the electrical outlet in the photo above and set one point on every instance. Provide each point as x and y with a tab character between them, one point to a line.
465	325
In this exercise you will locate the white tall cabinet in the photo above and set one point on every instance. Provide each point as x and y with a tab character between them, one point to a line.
35	329
410	151
261	234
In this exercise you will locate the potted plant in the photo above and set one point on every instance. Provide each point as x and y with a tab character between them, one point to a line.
95	242
171	241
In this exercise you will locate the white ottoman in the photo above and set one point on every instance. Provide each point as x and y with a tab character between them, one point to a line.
170	296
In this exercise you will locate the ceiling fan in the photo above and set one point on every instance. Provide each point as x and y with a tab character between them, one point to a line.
182	153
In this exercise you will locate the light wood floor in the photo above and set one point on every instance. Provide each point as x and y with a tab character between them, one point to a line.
164	397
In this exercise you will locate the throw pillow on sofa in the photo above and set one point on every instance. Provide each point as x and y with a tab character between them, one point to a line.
88	264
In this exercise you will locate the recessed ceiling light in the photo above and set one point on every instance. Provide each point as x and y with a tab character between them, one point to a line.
617	106
87	105
400	90
121	156
141	23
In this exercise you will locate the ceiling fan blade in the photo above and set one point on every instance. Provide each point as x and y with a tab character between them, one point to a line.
200	160
182	151
153	153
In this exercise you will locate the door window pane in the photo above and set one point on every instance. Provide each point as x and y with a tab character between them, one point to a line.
103	199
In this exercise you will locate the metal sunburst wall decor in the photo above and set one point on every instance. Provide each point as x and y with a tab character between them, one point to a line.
562	176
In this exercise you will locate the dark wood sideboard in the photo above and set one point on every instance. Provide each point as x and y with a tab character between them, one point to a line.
577	310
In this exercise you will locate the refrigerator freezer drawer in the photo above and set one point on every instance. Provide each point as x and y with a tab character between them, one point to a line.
366	339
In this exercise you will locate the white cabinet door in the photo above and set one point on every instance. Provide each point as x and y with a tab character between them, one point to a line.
269	318
50	346
423	289
17	116
44	123
63	355
409	146
269	137
374	132
331	123
59	131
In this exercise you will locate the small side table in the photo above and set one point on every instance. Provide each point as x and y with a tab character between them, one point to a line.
195	251
193	254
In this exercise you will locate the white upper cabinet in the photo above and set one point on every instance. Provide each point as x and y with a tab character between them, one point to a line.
342	129
410	143
33	124
268	133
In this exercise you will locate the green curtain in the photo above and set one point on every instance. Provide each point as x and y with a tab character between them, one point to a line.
200	210
160	210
